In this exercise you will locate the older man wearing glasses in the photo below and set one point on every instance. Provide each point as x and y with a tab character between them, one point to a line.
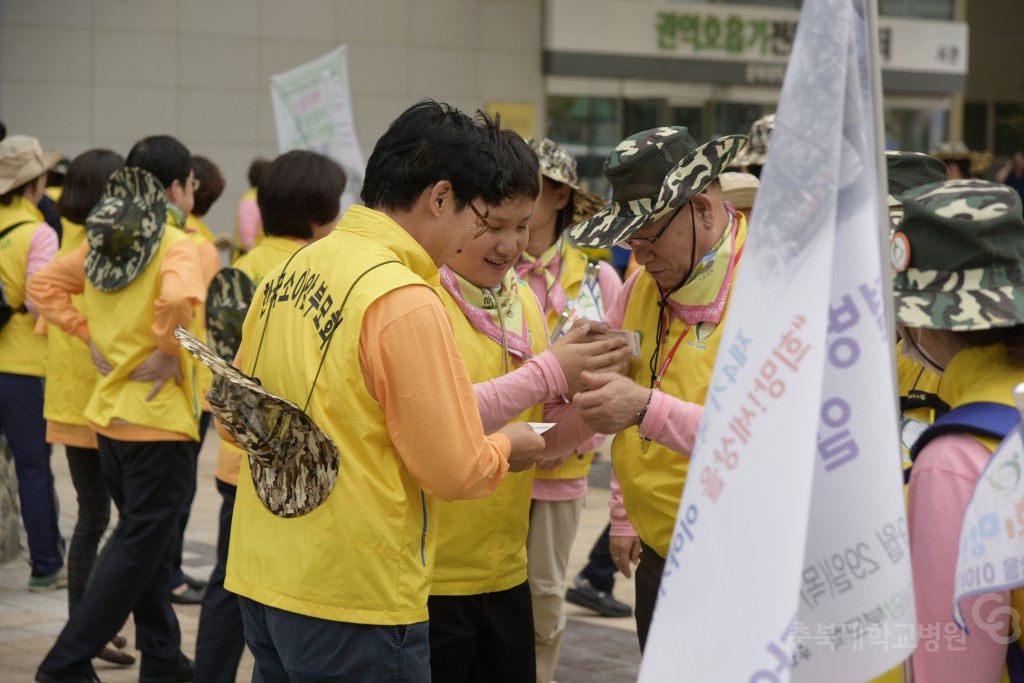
667	206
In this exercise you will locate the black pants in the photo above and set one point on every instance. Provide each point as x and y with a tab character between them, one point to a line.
178	576
600	569
93	517
648	581
147	481
221	639
486	638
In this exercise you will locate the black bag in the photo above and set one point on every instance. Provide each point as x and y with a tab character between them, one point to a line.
6	310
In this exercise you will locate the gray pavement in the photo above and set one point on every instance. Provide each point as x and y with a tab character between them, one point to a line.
594	649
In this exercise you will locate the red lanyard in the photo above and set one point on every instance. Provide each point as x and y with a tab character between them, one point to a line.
671	354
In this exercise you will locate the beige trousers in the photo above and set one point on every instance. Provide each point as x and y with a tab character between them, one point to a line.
553	525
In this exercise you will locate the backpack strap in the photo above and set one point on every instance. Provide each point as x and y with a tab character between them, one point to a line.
12	228
330	338
984	419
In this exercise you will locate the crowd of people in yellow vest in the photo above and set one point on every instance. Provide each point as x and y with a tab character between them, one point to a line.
456	353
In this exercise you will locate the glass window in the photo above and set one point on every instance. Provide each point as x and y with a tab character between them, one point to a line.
917	9
588	128
976	126
915	130
692	118
1009	128
736	117
761	3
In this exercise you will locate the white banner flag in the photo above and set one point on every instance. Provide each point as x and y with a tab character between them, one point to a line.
313	111
790	558
991	557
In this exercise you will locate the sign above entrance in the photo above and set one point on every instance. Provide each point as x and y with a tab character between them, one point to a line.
730	44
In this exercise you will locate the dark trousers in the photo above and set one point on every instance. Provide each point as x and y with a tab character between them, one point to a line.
293	647
21	420
485	638
147	482
600	569
93	517
648	581
220	640
179	550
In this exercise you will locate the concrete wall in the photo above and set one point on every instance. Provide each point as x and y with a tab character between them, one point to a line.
103	73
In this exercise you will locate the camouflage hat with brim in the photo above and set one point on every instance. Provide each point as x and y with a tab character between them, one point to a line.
124	229
227	301
959	257
294	464
558	165
907	170
756	151
651	174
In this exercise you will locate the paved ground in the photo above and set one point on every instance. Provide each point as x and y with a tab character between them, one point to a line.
595	650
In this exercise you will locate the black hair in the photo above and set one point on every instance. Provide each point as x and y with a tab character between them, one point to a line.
3	130
211	184
163	156
85	181
7	197
256	169
298	190
519	169
565	216
428	143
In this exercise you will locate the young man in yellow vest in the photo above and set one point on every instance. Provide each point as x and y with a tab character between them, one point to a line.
139	278
351	329
667	206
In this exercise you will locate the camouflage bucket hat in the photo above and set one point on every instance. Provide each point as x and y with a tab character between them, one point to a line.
227	301
651	174
124	229
293	463
558	165
756	151
907	170
959	257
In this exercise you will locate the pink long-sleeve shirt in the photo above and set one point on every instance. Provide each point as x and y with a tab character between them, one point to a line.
941	486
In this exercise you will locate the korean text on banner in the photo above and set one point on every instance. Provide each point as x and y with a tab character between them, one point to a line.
991	557
313	111
789	559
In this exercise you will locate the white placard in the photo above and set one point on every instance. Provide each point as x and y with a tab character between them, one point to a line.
313	110
778	569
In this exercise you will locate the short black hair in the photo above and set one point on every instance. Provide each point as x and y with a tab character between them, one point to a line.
519	169
3	130
256	169
163	156
211	184
430	142
298	190
85	181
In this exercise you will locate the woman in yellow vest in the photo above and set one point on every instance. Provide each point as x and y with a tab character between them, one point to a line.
570	287
27	244
299	200
959	288
70	378
139	279
481	625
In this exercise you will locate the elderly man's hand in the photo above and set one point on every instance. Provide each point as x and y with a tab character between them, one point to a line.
625	552
610	401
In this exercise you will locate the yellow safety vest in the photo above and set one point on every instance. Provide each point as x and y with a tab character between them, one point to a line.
21	351
365	555
481	546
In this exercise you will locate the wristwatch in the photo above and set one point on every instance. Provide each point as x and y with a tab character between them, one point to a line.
643	411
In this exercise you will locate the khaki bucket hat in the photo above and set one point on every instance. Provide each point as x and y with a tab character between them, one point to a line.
22	159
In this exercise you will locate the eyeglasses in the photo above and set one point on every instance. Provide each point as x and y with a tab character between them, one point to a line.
634	242
484	225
